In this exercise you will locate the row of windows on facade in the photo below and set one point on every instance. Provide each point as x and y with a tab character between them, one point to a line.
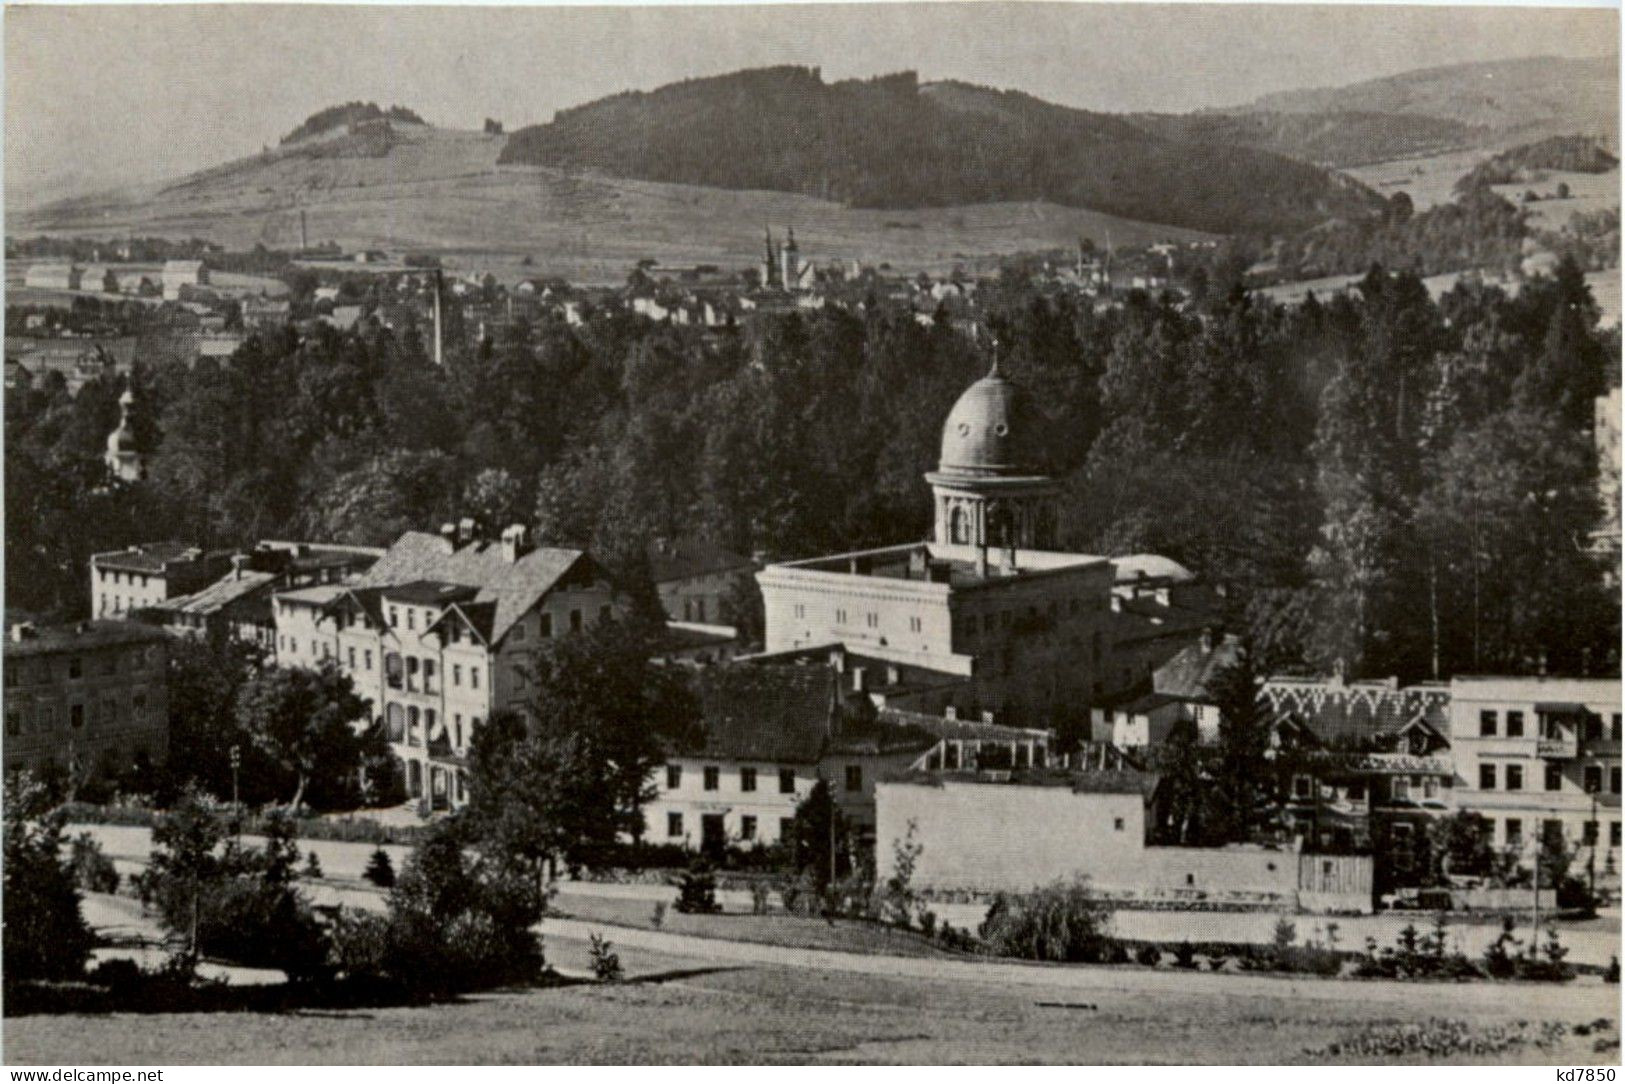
400	671
402	725
1489	726
1552	829
117	604
454	631
747	826
968	624
1512	777
1401	788
444	783
711	778
41	671
109	710
134	579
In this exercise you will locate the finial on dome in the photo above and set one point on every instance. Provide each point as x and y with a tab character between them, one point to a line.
995	370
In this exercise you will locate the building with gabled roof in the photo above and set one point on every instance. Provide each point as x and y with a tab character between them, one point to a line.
694	577
439	633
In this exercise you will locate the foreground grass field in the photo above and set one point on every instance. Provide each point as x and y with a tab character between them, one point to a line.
684	1009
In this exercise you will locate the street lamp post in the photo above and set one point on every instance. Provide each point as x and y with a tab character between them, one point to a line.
236	806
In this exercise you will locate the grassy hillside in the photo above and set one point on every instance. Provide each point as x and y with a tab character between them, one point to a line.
1337	139
1531	95
443	190
891	143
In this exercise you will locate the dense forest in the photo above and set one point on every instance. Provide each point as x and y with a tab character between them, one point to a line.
890	142
1405	485
339	116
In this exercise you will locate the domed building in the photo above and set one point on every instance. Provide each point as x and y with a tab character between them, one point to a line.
986	616
124	460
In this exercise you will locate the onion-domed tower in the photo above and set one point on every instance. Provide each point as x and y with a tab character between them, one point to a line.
990	487
123	459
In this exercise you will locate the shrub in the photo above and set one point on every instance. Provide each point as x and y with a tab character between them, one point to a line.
1285	933
313	867
606	965
1611	974
380	870
92	870
45	936
1217	960
1185	955
1149	955
927	920
1500	957
697	890
657	918
1059	922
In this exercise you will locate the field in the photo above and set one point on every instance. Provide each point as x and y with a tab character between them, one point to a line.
442	190
678	1008
1428	181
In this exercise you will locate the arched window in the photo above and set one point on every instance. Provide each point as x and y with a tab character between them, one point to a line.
411	726
395	723
959	526
392	670
414	778
1000	527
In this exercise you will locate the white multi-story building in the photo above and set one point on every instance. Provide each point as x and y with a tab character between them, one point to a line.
1007	622
1540	757
123	581
439	634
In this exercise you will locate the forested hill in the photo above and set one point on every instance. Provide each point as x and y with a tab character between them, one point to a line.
1338	139
339	116
892	143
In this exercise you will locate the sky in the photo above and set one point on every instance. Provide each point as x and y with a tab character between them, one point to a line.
101	95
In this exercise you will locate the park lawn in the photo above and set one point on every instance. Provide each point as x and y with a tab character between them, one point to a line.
681	1009
777	928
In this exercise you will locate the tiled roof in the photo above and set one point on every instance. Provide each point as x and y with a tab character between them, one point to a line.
218	595
959	729
147	557
1188	673
1122	781
775	714
515	588
85	634
685	558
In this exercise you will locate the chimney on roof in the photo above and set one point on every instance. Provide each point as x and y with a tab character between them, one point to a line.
987	715
239	562
950	713
448	531
465	530
513	543
1339	673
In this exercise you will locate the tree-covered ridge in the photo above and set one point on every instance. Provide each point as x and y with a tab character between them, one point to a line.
1567	154
1378	478
1340	139
339	116
889	142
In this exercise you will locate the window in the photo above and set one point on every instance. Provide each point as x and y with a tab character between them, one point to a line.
350	655
395	723
457	673
455	630
414	778
1301	786
914	624
411	726
428	675
1514	832
1117	824
546	625
1588	836
674	824
840	617
1554	777
747	827
1593	727
712	777
787	781
14	723
457	734
1356	792
1551	831
411	672
872	620
1613	727
1486	777
411	616
76	667
368	654
1400	789
1514	777
474	677
1486	724
76	716
394	617
1613	779
428	723
854	777
787	827
575	620
1514	724
801	610
674	776
1613	833
747	779
1593	778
